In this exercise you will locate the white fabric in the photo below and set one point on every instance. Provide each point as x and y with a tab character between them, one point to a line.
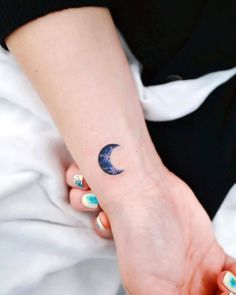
175	99
46	247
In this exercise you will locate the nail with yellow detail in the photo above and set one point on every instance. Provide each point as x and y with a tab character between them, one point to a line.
78	180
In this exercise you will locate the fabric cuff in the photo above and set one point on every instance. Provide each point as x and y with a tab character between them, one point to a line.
15	13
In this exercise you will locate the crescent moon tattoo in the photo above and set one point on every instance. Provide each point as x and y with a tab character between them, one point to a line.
105	161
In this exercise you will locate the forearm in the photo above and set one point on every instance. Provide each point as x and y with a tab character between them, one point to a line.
75	62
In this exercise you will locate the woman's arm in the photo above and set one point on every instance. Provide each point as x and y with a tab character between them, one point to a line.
76	63
165	242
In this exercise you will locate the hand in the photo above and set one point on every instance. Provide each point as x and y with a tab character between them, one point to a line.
165	241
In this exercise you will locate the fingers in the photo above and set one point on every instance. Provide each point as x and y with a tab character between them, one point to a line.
75	179
88	202
80	196
102	226
82	199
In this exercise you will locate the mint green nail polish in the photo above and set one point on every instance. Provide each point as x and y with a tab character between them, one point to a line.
90	201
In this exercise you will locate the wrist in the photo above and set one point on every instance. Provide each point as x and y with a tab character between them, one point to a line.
141	173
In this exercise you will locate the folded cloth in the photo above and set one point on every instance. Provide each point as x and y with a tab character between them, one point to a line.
175	99
45	246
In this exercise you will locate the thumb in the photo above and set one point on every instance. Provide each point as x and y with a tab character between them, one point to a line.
226	280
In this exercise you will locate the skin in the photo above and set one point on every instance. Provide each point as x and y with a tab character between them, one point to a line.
220	278
75	196
165	241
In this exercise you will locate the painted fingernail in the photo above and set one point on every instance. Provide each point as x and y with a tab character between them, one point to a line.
99	224
229	281
78	180
90	201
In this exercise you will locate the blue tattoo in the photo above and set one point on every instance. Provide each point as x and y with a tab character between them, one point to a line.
105	161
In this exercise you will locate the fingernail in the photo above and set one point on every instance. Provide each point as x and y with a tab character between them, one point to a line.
78	180
99	224
229	281
90	201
